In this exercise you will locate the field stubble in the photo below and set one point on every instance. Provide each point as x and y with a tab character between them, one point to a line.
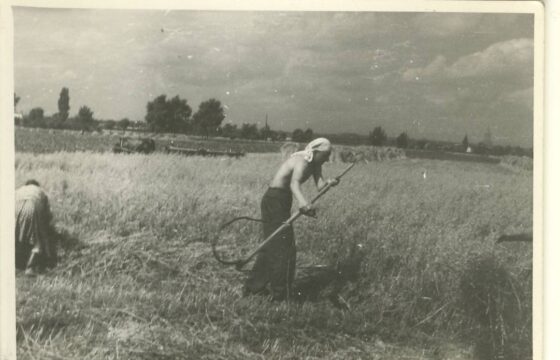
137	279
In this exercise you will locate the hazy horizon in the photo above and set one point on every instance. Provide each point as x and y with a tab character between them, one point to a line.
434	75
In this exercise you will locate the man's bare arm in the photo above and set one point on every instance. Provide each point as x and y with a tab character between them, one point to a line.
296	181
318	177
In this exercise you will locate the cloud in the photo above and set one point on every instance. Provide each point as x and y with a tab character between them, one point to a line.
436	25
69	75
434	69
445	26
522	97
508	58
440	98
299	67
511	58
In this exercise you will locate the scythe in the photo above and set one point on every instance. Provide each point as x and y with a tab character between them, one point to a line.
239	263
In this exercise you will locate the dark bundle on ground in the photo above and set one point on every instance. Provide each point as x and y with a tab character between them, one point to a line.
525	237
492	298
314	282
132	145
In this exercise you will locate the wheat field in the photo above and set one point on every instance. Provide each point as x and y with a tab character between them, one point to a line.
136	278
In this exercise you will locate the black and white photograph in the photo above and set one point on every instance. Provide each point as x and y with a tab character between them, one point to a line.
327	182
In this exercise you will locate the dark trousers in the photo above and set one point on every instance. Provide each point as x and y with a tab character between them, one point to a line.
274	269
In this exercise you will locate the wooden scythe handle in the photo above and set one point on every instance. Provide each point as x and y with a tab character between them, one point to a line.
242	262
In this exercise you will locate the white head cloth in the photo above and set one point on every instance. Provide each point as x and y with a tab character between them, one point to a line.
319	144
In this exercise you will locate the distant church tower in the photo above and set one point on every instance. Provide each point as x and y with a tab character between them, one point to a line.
488	138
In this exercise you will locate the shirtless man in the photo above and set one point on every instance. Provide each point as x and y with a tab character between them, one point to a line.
274	269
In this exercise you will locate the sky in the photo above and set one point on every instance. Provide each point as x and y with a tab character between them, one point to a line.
438	76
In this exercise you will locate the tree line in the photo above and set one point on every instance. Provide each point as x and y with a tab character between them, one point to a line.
163	115
60	120
378	137
175	115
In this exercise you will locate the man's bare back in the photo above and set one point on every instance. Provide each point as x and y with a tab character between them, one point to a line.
294	172
283	176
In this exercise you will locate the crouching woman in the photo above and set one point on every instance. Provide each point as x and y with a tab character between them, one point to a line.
35	245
